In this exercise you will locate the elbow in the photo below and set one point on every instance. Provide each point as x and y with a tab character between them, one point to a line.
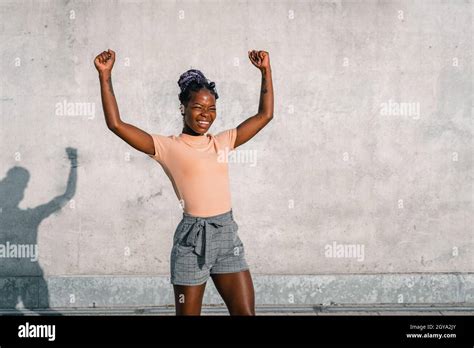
267	116
113	126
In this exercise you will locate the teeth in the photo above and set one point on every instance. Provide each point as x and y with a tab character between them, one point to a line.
203	122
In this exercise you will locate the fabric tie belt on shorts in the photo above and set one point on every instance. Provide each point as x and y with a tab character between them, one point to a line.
201	234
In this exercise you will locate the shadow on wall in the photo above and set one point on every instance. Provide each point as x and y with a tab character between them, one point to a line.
22	285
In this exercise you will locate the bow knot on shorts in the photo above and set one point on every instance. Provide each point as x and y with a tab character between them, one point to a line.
203	246
201	236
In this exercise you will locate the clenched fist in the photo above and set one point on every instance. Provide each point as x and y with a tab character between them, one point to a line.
261	59
105	61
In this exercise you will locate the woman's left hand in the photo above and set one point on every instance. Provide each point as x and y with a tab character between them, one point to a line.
260	59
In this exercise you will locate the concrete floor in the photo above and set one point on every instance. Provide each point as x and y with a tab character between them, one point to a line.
438	310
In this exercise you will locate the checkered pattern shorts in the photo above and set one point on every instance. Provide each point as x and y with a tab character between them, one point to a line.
203	246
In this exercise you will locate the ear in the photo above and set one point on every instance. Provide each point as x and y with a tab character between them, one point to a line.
181	107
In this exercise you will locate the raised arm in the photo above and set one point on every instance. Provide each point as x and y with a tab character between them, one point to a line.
251	126
137	138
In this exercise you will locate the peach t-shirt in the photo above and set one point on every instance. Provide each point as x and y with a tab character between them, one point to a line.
198	170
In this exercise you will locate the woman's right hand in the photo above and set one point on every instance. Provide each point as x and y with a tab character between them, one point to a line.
105	61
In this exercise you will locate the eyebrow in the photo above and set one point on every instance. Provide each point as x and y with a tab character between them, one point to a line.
201	104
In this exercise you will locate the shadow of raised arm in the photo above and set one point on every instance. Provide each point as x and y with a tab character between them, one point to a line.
44	210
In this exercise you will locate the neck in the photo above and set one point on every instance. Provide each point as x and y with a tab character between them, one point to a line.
189	131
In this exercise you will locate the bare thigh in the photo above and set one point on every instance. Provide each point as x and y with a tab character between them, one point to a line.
237	292
188	299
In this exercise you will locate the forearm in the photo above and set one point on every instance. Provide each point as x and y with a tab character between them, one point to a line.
61	200
71	183
109	103
265	106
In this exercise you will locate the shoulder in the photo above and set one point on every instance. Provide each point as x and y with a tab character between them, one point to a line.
225	133
227	137
162	143
162	136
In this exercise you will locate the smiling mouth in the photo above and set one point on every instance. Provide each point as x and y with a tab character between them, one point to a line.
203	124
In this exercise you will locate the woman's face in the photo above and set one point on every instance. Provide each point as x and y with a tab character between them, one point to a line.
200	111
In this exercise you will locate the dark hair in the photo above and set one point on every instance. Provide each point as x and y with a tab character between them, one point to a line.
194	80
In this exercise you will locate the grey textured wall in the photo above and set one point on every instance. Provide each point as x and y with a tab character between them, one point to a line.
366	168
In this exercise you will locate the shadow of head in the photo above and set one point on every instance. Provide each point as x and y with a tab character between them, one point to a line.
12	187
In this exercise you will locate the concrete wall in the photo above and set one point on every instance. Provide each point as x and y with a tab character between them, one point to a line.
370	149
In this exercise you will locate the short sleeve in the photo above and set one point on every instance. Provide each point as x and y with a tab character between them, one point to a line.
227	138
161	144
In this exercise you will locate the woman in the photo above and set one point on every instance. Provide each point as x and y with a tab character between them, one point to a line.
205	243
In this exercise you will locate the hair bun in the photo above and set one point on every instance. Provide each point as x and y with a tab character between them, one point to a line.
191	75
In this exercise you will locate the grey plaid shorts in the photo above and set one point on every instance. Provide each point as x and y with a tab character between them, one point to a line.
203	246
